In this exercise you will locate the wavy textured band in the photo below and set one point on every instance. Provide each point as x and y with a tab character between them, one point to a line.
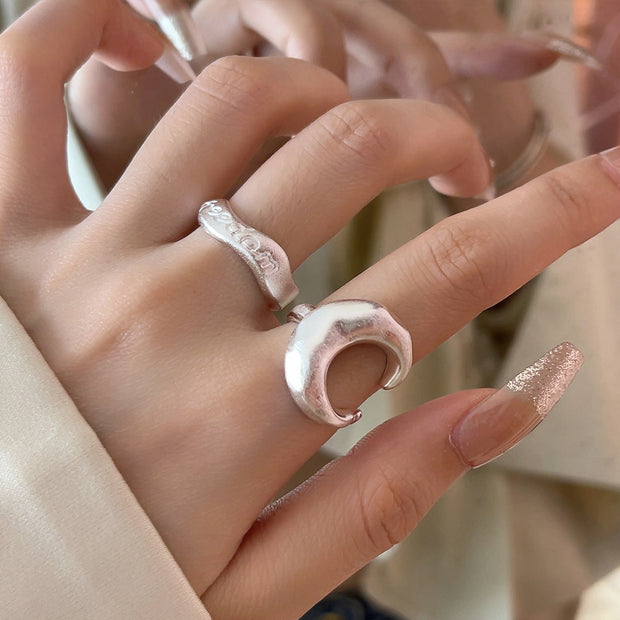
324	332
267	260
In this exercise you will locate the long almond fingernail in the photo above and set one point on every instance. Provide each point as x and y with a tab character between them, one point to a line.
449	96
176	22
498	423
174	66
564	47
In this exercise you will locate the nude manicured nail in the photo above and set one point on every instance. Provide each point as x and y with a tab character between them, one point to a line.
488	194
566	48
449	96
498	423
174	66
176	22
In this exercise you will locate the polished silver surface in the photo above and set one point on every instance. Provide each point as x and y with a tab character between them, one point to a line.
324	332
267	260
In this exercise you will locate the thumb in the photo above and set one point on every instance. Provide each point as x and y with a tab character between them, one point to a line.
363	503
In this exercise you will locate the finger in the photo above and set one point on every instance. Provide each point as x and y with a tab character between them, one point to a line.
109	27
351	511
440	281
35	68
444	278
348	156
394	48
297	28
493	55
209	136
362	504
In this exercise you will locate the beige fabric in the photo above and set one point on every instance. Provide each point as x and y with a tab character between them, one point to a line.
602	601
564	538
74	543
10	10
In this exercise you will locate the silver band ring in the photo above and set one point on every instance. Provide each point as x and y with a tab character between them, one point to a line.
322	333
267	260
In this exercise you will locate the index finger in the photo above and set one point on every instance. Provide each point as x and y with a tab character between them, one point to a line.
446	276
38	55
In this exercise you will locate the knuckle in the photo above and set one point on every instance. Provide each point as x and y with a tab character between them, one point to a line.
354	127
464	261
235	82
563	195
390	507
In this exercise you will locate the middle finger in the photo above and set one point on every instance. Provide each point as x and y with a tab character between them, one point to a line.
307	191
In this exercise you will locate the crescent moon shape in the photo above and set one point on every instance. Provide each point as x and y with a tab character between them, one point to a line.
324	332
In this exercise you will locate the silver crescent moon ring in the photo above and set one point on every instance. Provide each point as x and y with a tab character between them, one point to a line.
267	260
322	333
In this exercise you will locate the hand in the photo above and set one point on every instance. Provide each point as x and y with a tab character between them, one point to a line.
380	50
161	335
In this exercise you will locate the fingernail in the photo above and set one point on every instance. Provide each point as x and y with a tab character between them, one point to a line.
488	194
176	22
566	48
449	96
498	423
174	66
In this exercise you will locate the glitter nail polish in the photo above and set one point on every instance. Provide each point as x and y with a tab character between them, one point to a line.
498	423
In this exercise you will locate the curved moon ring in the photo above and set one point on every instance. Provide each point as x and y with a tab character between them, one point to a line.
324	332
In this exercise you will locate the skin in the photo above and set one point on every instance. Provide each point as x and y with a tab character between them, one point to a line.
200	422
381	51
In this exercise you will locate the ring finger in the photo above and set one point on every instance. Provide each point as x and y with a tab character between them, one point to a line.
209	137
336	166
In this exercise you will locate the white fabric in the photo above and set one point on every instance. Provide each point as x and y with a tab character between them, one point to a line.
74	543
